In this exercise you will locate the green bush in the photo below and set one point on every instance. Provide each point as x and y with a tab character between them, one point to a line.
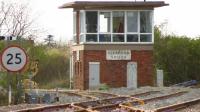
178	56
3	96
56	84
103	87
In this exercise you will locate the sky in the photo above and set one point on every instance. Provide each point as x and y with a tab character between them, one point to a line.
181	17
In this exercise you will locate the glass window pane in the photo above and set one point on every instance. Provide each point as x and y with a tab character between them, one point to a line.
118	22
74	23
146	38
74	39
104	21
82	38
132	21
104	38
132	38
118	38
81	19
145	21
91	38
91	22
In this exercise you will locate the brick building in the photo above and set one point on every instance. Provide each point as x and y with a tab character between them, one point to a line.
113	43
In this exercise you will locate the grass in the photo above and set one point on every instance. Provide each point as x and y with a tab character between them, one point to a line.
103	87
3	99
62	83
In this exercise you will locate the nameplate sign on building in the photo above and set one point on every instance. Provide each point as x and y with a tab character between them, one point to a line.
118	54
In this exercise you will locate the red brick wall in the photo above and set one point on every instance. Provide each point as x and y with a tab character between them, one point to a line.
114	72
144	61
78	72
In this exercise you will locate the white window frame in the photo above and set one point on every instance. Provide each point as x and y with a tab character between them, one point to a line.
111	28
124	27
82	33
138	27
152	22
74	28
85	33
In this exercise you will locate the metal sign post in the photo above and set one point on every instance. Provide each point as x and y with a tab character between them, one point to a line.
13	59
30	83
9	94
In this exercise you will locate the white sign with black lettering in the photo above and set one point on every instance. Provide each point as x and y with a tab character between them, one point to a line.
13	58
118	54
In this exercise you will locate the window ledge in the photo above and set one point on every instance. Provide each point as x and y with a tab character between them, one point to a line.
117	43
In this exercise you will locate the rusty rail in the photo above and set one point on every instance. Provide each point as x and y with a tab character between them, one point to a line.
178	106
50	108
144	101
165	96
104	94
80	95
131	109
145	94
105	108
97	103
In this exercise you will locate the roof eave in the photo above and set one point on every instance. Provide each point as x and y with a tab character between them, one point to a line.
83	4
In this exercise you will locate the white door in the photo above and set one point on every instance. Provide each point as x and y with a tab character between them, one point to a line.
132	75
94	74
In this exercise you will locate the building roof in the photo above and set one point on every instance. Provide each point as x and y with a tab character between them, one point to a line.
113	4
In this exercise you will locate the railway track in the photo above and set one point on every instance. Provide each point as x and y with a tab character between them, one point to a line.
145	94
178	106
114	103
54	108
80	95
97	95
165	96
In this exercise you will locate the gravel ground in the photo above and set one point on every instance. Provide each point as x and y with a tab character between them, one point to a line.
18	107
64	98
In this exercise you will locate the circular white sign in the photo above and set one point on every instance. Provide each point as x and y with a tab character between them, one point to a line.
14	58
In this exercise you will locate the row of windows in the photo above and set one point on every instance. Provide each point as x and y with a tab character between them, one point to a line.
116	38
115	26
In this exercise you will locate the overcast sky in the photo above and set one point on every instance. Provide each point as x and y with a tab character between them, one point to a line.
182	17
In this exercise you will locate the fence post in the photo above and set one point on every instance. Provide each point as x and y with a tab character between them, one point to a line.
160	78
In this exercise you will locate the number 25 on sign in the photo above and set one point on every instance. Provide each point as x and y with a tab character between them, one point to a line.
14	58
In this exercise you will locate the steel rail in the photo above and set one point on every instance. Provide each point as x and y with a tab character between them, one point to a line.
145	93
105	108
104	93
80	95
131	109
165	96
145	101
96	103
49	108
178	106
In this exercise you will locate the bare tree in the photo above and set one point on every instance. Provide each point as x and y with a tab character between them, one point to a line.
50	40
15	20
4	12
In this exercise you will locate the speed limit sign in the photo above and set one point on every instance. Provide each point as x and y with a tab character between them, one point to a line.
14	58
